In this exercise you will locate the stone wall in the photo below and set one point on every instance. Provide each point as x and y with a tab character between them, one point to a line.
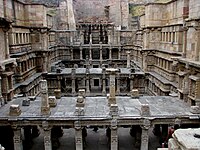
37	15
1	9
194	9
2	47
158	14
89	9
9	9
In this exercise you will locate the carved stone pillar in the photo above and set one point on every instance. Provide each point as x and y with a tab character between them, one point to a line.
110	53
101	58
197	48
72	54
87	84
91	38
128	59
1	97
131	84
17	138
114	136
6	41
103	80
45	108
47	136
73	86
184	42
5	87
81	52
78	136
145	135
118	84
112	72
119	53
90	51
73	80
82	37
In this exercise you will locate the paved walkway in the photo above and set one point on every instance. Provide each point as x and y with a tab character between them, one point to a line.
97	140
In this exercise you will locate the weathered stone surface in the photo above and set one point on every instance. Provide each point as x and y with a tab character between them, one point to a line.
15	110
26	102
52	101
134	93
186	140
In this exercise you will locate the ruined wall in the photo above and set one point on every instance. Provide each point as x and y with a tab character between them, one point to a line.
89	9
194	9
115	11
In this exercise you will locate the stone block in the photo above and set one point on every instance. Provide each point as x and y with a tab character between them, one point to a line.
134	93
26	102
58	70
81	92
32	98
145	110
195	109
172	144
45	110
57	93
52	101
79	111
80	101
53	68
112	100
114	109
14	110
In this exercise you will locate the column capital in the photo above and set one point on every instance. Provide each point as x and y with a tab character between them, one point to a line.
114	124
77	125
46	126
146	124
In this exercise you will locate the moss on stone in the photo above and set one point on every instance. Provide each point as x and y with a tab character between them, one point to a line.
137	10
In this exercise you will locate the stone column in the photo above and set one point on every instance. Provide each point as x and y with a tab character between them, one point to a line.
45	108
5	87
44	68
1	97
87	84
109	37
17	138
112	72
6	41
90	51
78	136
119	53
184	41
110	53
197	48
73	81
72	55
91	38
128	59
101	50
82	37
81	52
104	80
114	136
118	84
47	136
131	84
145	135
